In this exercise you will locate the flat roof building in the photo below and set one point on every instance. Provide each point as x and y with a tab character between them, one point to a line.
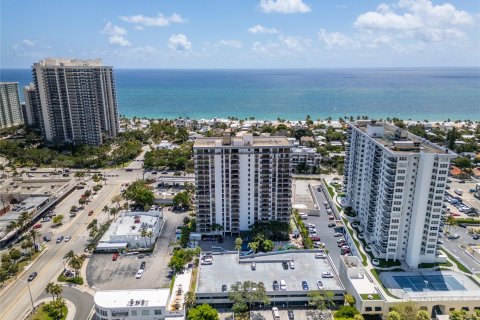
143	304
10	110
395	182
228	269
241	180
126	231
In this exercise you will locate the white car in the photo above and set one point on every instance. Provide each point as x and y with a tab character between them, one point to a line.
310	225
139	274
68	238
326	274
338	234
283	285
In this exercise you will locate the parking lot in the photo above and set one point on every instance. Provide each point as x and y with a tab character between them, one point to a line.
103	273
266	314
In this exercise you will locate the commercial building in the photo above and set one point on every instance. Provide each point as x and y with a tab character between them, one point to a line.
241	180
132	229
222	270
77	99
143	304
10	111
307	156
395	182
437	292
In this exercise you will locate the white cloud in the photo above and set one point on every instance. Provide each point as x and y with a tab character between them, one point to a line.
335	39
179	42
283	46
116	35
28	42
419	20
261	29
229	43
284	6
138	27
159	21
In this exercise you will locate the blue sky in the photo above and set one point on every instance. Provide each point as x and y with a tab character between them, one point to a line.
243	33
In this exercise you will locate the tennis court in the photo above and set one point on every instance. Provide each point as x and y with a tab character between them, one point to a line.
428	283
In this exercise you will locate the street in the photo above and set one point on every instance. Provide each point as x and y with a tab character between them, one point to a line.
453	246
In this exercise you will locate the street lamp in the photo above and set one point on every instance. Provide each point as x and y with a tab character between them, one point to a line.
30	294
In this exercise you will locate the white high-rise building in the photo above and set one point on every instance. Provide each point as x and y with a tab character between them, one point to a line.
241	180
10	112
77	100
395	182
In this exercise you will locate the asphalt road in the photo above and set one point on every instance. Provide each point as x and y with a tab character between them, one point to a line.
15	300
453	246
83	301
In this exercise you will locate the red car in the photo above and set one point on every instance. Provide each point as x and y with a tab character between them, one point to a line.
315	238
455	214
37	226
114	257
331	218
90	212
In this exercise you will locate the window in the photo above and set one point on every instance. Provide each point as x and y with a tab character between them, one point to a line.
368	309
134	312
145	312
378	308
158	312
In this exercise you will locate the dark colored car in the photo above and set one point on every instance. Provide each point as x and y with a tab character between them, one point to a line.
142	265
462	225
59	239
224	288
32	276
290	315
476	237
285	265
46	238
305	285
275	285
331	225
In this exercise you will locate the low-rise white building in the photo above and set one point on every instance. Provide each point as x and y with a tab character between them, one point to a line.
127	230
309	156
144	304
165	144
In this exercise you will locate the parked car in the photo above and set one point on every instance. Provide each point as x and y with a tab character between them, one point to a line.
292	265
314	238
476	237
327	274
331	217
291	315
139	274
341	240
462	225
32	276
454	236
115	257
37	226
224	288
68	238
275	313
142	265
283	285
305	285
285	265
331	225
275	285
46	238
320	256
338	234
59	239
319	284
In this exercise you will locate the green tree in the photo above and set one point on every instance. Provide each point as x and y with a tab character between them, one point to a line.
202	312
394	315
57	220
349	299
3	275
15	254
407	310
69	255
320	299
189	299
49	289
268	246
76	263
463	162
458	315
182	199
34	234
422	315
238	243
358	317
346	312
139	193
244	295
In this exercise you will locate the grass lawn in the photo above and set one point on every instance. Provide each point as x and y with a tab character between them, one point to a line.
459	265
375	296
364	257
193	280
431	265
329	188
41	315
376	274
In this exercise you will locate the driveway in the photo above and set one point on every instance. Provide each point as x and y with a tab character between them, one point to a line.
453	246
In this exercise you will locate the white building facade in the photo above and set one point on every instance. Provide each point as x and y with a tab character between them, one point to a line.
127	231
142	304
309	156
10	111
395	182
241	180
77	99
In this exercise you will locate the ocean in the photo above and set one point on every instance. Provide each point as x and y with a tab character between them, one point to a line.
435	94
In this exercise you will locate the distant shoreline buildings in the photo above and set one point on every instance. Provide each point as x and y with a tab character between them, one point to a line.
72	101
10	108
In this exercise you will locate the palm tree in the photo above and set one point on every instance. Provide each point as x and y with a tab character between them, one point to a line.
238	243
189	299
50	289
23	219
113	212
254	246
69	255
105	209
116	200
34	234
76	263
143	234
150	235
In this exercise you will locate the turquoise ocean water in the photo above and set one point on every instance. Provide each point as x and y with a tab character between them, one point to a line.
431	93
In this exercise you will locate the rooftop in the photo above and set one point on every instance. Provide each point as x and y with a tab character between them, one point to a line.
246	140
65	62
398	140
228	269
131	223
132	298
304	150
